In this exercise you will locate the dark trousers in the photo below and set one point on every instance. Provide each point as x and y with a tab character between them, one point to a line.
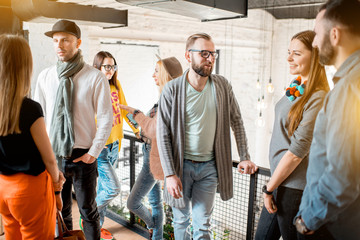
268	226
83	177
288	202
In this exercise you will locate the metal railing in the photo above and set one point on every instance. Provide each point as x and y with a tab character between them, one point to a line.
236	218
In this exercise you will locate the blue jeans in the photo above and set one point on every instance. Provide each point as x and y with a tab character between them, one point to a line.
146	185
108	184
200	181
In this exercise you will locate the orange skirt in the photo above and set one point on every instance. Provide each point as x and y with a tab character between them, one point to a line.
27	205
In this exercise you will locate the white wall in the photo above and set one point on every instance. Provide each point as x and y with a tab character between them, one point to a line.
246	46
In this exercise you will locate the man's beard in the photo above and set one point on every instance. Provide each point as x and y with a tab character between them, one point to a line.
326	52
200	69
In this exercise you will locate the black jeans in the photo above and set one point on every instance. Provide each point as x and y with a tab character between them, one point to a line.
268	226
288	202
84	178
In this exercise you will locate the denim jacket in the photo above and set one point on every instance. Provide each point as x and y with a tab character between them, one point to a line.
332	194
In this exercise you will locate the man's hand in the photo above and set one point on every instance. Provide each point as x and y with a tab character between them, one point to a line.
86	158
269	203
59	202
301	227
174	186
247	167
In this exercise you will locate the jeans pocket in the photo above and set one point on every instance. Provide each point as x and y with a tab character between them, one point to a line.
114	145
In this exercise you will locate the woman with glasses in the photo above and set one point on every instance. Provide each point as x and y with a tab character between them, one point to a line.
295	115
29	176
147	181
108	186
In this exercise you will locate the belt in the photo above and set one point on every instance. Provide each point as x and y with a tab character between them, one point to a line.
195	161
76	153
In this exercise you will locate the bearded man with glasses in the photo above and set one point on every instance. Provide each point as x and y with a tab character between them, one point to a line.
196	111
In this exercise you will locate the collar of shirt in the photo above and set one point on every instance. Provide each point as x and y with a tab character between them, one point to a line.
352	61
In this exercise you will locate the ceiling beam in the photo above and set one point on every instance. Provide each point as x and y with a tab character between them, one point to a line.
35	10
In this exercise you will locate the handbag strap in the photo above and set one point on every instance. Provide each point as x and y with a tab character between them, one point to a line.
61	225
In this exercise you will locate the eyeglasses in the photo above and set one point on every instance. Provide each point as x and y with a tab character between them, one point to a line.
109	67
205	53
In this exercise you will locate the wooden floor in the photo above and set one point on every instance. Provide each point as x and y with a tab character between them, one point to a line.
119	232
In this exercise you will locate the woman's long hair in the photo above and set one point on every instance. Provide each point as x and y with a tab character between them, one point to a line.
164	76
317	81
15	80
98	61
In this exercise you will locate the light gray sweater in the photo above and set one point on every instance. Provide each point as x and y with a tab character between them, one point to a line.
299	143
171	133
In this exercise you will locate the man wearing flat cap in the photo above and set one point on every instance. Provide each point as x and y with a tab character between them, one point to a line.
71	94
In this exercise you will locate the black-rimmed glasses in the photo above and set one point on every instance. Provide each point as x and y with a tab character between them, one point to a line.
109	67
205	53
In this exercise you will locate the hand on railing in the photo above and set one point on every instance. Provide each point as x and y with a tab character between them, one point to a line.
247	167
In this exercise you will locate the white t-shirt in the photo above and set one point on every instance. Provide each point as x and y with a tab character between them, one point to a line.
200	123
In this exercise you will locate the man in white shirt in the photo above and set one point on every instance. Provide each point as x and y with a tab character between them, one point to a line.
71	94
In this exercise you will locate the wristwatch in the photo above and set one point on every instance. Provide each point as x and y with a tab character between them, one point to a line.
136	112
264	190
300	226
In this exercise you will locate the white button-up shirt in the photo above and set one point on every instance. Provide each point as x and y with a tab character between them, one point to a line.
91	98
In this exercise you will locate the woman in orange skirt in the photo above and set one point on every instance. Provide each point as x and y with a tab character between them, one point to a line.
30	181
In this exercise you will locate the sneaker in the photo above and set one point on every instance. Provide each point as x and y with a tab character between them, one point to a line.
81	224
106	235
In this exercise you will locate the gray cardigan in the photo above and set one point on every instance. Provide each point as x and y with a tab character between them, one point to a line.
171	133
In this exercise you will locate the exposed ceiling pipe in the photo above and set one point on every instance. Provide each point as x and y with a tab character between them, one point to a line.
36	10
155	37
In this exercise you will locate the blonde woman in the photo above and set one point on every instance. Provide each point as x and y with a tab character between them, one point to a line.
146	182
29	177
